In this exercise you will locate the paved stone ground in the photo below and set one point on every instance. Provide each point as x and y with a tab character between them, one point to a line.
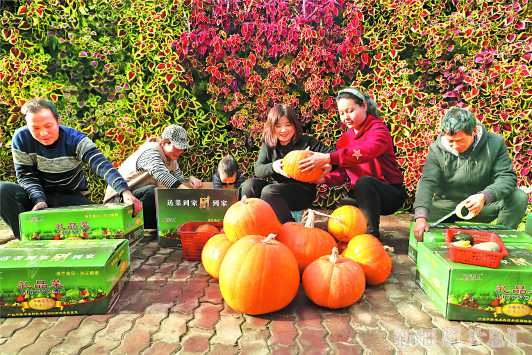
172	306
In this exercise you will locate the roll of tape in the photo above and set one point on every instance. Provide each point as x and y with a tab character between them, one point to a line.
458	211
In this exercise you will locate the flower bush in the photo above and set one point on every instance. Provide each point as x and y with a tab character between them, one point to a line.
120	71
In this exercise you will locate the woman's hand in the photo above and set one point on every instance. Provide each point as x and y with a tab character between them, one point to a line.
316	160
277	167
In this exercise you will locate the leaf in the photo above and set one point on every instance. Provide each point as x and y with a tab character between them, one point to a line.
131	75
507	83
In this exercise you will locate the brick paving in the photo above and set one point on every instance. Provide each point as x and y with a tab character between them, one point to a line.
171	306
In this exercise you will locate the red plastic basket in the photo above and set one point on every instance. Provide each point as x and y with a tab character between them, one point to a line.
474	256
192	242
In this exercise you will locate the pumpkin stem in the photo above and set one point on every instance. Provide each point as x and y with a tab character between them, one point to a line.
310	219
269	238
334	255
244	198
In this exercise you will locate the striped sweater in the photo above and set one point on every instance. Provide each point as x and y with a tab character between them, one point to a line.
58	167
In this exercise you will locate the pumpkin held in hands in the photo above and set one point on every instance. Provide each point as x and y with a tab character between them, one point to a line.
213	253
334	281
369	253
250	216
258	275
347	221
291	167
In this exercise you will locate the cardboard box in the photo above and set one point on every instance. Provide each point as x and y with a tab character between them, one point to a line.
109	221
475	293
436	234
64	277
528	226
178	206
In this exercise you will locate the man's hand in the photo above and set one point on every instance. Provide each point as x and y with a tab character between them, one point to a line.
40	206
130	199
316	160
475	203
420	228
194	182
277	166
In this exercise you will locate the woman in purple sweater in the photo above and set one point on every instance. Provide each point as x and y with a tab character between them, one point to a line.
364	159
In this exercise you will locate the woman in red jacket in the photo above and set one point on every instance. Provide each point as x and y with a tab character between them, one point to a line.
364	158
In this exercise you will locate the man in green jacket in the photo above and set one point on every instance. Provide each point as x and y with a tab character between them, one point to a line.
467	163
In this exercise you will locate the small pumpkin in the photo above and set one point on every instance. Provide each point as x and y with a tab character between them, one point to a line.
347	221
250	216
305	241
213	253
258	275
291	166
334	281
207	228
369	252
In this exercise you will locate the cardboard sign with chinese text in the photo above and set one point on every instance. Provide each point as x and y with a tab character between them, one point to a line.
109	221
64	277
178	206
476	293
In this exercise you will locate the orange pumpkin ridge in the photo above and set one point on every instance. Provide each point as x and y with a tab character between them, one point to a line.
250	216
306	242
258	275
334	281
213	253
369	252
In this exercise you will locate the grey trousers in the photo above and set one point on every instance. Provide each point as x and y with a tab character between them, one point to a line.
508	212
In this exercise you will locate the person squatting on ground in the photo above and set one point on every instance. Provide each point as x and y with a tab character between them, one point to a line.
364	159
48	166
466	162
154	164
282	134
227	174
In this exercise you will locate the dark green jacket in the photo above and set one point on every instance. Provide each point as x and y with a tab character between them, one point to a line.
484	168
267	155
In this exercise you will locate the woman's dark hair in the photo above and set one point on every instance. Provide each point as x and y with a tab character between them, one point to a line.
275	114
359	98
35	105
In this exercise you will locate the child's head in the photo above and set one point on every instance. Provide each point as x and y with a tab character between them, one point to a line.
282	126
228	169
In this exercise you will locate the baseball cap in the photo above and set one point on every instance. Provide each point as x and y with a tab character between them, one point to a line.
176	135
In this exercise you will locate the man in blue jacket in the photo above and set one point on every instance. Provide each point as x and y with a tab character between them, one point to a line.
48	165
468	163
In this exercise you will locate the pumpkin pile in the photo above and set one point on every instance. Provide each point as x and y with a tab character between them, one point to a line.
259	262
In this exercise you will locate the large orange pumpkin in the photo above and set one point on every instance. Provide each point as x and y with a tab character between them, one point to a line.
306	242
291	166
369	252
347	221
213	253
334	281
258	275
250	216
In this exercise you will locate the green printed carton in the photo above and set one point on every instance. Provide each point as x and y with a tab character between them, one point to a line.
436	234
64	277
474	293
109	221
178	206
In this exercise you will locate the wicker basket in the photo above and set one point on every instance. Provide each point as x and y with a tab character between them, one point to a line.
192	242
475	256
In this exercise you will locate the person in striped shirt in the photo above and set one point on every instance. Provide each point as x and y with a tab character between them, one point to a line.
48	161
152	165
